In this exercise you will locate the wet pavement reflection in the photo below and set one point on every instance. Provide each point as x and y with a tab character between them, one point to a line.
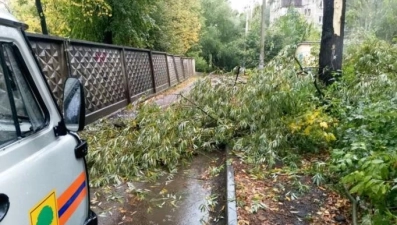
195	195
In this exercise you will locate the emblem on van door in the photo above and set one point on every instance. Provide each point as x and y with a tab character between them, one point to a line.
46	212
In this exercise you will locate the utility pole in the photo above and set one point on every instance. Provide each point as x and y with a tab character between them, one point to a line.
42	17
331	48
262	44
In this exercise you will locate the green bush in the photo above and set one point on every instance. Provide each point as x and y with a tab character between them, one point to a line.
365	103
201	64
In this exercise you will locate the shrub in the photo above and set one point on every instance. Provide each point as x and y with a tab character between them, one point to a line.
365	103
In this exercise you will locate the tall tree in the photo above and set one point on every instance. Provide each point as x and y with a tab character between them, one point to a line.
222	34
178	25
129	23
67	18
168	25
331	49
373	17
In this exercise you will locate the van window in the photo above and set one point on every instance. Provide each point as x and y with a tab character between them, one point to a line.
7	126
20	113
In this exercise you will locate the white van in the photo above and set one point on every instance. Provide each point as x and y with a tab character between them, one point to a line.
43	175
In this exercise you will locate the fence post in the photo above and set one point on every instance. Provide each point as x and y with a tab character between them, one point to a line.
68	61
176	69
152	70
183	69
168	69
125	73
188	67
194	66
191	67
64	60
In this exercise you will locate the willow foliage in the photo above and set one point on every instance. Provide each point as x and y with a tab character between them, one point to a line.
253	119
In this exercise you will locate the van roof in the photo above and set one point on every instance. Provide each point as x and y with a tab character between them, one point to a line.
6	19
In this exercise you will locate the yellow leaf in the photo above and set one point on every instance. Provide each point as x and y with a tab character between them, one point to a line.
163	191
329	137
324	125
307	130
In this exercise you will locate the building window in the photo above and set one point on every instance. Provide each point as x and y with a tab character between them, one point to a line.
320	19
321	4
307	12
286	3
291	3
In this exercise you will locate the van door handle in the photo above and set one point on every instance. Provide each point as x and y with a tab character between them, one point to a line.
4	206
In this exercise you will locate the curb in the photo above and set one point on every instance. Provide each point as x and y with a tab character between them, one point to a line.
231	209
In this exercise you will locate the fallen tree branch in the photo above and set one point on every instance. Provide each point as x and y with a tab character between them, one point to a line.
201	109
320	93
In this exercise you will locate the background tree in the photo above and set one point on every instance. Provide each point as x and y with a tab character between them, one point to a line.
290	29
372	17
221	39
171	26
178	25
208	30
67	18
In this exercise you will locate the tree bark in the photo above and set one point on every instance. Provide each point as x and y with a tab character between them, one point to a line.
262	44
43	23
331	49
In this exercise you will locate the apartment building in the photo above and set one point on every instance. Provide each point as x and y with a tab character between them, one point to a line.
311	9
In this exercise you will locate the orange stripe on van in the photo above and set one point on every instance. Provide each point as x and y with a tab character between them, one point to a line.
71	189
70	199
65	217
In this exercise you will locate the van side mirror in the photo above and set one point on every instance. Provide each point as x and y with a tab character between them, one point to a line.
74	105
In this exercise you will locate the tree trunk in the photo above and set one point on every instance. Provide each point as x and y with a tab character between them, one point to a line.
42	17
331	49
262	44
108	33
108	37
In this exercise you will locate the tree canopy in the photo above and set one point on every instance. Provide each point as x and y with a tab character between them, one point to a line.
208	30
374	17
171	26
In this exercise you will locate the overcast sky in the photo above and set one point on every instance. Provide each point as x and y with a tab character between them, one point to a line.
240	4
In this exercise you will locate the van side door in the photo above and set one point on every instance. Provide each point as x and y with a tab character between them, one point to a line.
40	176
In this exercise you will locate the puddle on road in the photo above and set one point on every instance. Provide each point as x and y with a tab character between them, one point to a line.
186	198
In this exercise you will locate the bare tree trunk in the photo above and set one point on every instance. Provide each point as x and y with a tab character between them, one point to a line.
331	49
262	44
42	17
